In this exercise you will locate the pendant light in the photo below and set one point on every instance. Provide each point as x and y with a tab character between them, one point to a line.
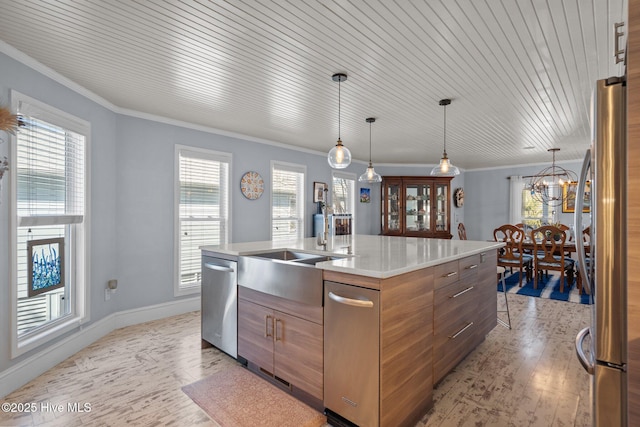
445	168
339	157
370	174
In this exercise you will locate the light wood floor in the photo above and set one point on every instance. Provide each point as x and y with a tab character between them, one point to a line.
528	376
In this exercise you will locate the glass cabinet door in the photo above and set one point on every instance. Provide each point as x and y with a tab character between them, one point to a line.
393	200
441	207
417	212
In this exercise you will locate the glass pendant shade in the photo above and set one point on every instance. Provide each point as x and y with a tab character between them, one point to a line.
370	174
445	168
339	157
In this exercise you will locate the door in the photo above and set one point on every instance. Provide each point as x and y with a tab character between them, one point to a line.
255	334
219	310
392	206
298	352
351	353
417	212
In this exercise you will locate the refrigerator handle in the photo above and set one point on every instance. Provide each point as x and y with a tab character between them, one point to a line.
582	357
577	220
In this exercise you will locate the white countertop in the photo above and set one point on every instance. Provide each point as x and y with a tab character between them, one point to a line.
373	256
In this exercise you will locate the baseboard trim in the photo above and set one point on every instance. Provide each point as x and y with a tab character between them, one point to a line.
21	373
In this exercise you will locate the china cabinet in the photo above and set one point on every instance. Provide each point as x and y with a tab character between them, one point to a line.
416	206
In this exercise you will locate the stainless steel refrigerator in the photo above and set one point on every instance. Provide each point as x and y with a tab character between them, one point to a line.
602	346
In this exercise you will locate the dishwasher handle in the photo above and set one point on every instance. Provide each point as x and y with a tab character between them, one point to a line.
217	267
351	301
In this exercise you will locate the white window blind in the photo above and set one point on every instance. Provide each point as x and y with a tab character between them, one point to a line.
287	201
203	207
343	193
50	171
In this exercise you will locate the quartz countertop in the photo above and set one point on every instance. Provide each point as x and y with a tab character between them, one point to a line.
372	256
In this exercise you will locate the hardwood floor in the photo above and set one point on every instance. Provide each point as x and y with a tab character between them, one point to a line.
528	376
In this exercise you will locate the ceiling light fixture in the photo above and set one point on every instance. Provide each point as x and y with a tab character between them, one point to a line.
546	185
370	174
445	168
339	157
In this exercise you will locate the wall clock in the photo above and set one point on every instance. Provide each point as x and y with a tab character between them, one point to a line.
252	185
458	197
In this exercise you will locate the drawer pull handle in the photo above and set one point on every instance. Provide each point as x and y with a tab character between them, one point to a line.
464	291
454	336
453	273
472	266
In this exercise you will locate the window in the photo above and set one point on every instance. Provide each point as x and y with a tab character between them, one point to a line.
343	193
49	214
287	201
534	212
202	195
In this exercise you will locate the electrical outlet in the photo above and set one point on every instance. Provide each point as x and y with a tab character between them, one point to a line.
107	295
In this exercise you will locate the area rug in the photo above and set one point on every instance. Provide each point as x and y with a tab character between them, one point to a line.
548	287
235	397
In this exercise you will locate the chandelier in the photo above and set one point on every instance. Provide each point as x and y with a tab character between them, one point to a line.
546	185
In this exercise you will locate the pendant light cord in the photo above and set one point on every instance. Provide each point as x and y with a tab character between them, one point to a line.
339	81
369	143
445	130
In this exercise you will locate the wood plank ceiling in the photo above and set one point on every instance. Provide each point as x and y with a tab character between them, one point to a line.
520	73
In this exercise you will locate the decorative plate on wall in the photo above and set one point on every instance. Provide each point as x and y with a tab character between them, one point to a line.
252	185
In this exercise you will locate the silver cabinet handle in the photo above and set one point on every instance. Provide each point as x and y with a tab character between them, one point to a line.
276	329
586	364
453	273
351	301
471	267
268	334
464	291
219	267
454	336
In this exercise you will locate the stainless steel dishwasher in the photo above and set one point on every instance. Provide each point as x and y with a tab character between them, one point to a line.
351	354
220	304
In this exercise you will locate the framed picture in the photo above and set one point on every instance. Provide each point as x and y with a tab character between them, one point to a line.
318	191
45	265
365	195
569	197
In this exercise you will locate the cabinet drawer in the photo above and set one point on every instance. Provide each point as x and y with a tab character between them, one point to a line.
469	266
445	274
450	348
453	301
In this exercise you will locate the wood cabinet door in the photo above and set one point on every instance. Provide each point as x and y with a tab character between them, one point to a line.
392	207
299	353
255	334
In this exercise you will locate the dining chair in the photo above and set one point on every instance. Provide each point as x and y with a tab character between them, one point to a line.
462	232
512	255
548	247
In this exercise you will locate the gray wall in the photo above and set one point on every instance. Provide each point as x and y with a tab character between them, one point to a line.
487	198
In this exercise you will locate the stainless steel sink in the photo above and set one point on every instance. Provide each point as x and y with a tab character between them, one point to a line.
286	274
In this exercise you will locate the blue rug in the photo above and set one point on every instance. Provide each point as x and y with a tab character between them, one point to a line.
548	287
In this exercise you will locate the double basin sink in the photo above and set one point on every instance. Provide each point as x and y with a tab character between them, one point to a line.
286	274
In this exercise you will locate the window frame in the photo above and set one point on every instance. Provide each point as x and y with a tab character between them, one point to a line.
79	263
292	167
202	153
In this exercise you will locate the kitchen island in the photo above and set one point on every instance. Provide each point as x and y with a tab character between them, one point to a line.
398	314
